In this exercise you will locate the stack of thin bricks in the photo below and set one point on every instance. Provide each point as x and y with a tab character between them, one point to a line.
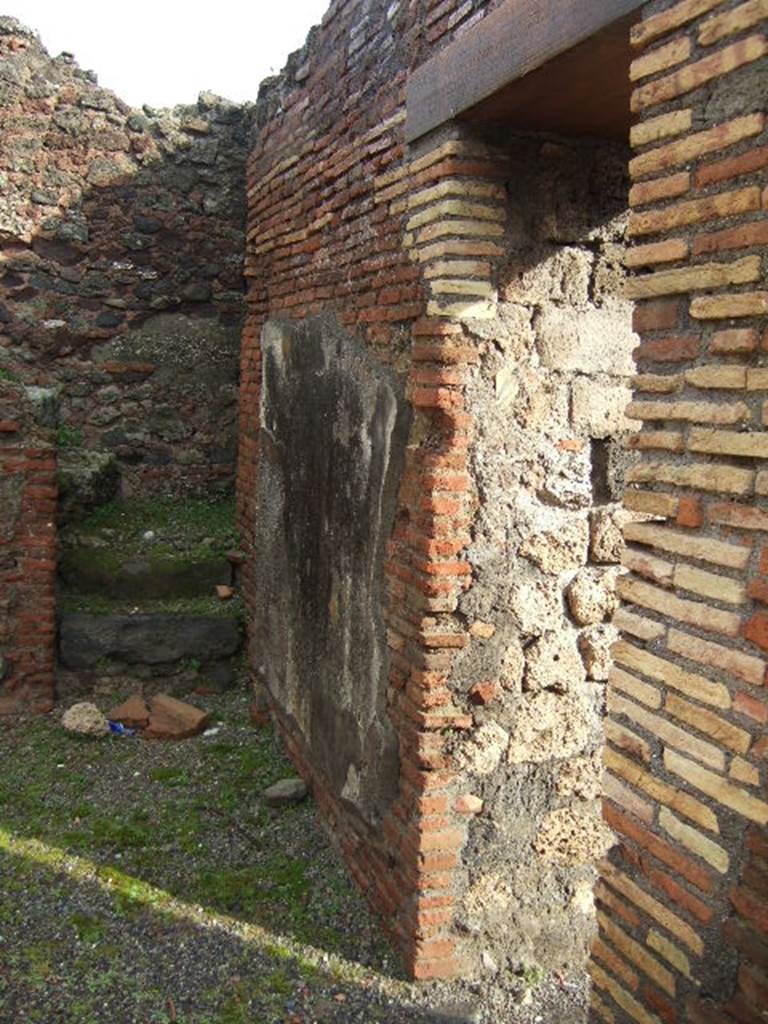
683	901
28	557
450	200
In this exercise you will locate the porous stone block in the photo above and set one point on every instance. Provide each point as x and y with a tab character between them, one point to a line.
85	719
483	751
590	342
550	725
599	411
571	836
595	645
553	663
581	777
560	550
606	537
592	596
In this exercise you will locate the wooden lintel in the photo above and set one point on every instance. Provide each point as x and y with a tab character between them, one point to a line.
514	39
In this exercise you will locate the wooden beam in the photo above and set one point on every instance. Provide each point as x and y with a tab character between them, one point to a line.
514	39
583	92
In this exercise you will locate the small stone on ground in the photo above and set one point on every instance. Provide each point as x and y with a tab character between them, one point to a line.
286	791
172	719
85	719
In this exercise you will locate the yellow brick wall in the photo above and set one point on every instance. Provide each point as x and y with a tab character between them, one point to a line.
683	898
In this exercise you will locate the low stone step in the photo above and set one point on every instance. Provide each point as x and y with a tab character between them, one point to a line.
159	640
140	578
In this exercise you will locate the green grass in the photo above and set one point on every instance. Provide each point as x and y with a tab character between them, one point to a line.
236	1009
172	812
122	838
533	976
171	777
199	520
87	929
69	437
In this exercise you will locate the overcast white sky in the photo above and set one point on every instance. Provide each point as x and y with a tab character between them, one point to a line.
164	52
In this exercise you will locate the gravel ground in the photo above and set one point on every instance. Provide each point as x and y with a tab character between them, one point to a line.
145	882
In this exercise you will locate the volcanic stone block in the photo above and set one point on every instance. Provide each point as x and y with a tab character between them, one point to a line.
85	640
143	577
87	478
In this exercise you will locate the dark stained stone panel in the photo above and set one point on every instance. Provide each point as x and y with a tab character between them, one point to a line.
333	431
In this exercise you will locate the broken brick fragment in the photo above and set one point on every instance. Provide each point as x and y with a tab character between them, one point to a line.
132	712
484	692
172	719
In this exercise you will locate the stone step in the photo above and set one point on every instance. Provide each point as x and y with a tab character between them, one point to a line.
142	577
161	641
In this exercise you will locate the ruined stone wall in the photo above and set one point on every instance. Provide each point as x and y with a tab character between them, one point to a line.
28	495
683	909
121	236
482	273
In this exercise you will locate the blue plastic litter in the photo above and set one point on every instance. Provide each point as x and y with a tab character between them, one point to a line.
120	730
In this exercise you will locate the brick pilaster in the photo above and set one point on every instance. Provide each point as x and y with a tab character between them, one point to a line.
682	901
28	497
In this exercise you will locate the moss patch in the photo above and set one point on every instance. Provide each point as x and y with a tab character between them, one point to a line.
187	529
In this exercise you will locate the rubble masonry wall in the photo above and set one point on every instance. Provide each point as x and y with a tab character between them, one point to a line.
121	237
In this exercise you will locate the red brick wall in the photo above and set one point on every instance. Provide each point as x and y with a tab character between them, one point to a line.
684	915
331	190
27	555
406	866
327	185
403	248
